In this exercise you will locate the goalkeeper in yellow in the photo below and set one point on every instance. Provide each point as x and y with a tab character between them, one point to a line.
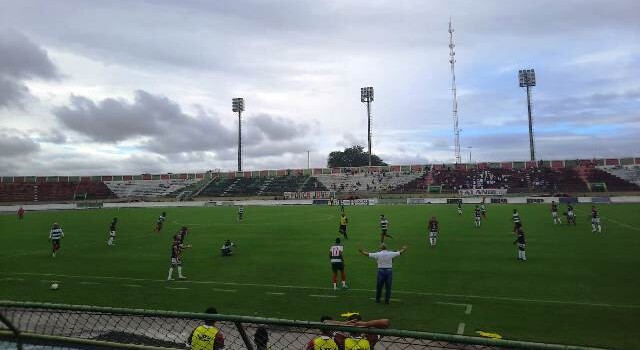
206	336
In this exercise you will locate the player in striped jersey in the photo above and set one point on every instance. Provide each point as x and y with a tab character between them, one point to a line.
477	218
522	255
384	228
160	221
517	223
554	213
337	264
112	231
240	213
55	235
595	220
459	208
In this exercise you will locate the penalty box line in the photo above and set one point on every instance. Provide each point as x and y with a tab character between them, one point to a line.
444	295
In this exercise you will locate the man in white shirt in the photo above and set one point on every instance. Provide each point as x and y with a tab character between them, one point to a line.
384	259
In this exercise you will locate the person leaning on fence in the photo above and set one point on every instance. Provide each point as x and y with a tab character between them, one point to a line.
359	340
384	259
325	340
206	336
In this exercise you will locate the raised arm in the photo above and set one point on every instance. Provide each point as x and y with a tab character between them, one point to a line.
404	249
363	252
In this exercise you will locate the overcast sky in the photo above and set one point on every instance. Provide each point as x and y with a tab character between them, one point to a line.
112	87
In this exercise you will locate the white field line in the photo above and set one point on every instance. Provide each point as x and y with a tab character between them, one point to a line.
225	290
90	283
446	295
275	293
467	310
11	279
132	285
322	296
176	288
392	299
461	328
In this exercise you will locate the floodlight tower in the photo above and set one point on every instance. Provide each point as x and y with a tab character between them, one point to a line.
454	109
237	105
366	96
527	79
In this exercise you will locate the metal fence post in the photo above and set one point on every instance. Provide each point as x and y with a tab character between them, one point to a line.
243	334
13	329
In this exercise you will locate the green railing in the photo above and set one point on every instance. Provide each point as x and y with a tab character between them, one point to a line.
25	325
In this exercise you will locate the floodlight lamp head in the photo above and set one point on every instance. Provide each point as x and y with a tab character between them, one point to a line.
527	77
237	104
366	94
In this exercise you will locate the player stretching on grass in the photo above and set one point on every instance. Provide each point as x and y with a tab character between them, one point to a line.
433	231
384	227
160	221
554	213
176	257
55	235
344	221
595	220
477	217
337	264
112	231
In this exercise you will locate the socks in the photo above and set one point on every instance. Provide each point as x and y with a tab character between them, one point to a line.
170	273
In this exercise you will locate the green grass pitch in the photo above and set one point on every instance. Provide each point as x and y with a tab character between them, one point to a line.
577	287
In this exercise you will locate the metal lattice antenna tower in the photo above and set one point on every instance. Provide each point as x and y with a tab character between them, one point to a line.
454	111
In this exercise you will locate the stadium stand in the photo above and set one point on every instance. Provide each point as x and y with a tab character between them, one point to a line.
370	182
41	191
612	182
627	173
149	188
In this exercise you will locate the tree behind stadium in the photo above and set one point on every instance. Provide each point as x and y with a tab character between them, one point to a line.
352	157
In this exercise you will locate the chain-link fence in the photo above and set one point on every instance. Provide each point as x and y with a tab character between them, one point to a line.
55	326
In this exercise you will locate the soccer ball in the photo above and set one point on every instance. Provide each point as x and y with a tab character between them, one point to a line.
54	286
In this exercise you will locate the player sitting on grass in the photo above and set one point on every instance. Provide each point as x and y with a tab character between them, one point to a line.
226	248
337	264
112	231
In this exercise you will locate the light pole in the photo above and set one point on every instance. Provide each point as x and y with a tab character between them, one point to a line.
527	79
308	161
237	105
366	96
469	154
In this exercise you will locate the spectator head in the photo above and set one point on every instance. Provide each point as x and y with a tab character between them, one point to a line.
211	311
261	338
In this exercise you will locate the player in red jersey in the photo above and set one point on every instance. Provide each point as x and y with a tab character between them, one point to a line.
433	231
595	220
176	257
21	213
182	234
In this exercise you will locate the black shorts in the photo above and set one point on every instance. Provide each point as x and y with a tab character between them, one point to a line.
55	241
384	231
343	229
337	266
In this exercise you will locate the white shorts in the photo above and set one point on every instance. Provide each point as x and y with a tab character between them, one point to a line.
433	234
175	261
478	219
554	214
112	233
595	221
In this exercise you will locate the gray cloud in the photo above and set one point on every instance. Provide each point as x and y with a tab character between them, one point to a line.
21	59
14	143
278	128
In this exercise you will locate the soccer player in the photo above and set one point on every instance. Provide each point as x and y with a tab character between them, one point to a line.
521	244
571	215
55	235
459	208
595	220
384	228
240	213
516	220
554	213
226	248
433	231
20	213
325	340
344	221
476	215
112	231
182	234
176	258
483	209
160	221
337	264
207	336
